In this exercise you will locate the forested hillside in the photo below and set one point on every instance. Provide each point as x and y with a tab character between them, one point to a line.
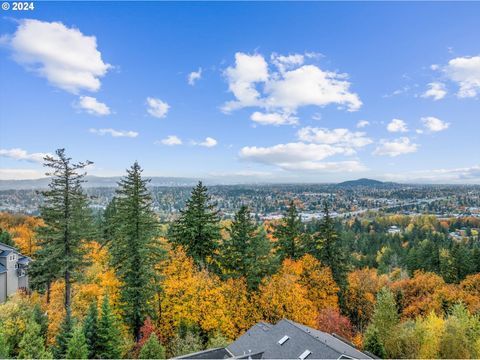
122	283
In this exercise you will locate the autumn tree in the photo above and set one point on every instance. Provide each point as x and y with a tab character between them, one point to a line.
331	321
67	221
245	253
289	234
198	228
134	249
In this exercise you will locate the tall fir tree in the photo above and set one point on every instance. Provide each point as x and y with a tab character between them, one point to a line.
90	331
289	234
67	220
77	345
198	228
135	249
246	251
108	335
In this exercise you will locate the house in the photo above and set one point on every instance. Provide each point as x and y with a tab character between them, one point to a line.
393	230
285	340
13	271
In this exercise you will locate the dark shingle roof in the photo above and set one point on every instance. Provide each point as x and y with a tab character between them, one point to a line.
5	253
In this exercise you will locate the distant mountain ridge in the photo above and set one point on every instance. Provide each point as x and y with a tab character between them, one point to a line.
364	182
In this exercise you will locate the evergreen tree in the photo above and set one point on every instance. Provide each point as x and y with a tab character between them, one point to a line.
245	253
198	228
77	345
152	349
63	337
108	335
108	222
6	238
90	330
135	250
330	251
32	345
373	344
67	221
289	234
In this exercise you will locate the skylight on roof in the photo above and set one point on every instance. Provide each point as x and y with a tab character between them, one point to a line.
283	340
305	354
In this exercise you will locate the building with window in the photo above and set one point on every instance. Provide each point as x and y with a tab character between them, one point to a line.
285	340
13	271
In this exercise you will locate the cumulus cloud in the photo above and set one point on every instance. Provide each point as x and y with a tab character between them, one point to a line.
208	142
301	156
433	124
157	108
66	57
92	106
362	124
273	118
436	91
114	133
465	71
287	86
194	76
397	125
458	175
20	154
171	140
395	147
342	137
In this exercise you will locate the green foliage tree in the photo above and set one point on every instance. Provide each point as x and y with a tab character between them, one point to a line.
108	335
198	228
289	234
77	345
67	221
4	348
186	343
373	344
63	337
90	331
32	345
245	253
6	238
152	349
135	250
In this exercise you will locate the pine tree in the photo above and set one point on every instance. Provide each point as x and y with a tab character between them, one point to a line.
329	249
67	221
152	349
245	253
77	345
198	228
289	235
373	344
63	337
134	249
108	335
6	238
32	345
90	330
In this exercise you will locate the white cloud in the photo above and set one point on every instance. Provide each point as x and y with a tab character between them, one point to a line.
92	106
433	124
157	108
362	124
20	174
194	76
171	140
397	125
342	137
273	118
457	175
64	56
20	154
301	156
396	147
208	142
436	90
114	133
465	71
294	85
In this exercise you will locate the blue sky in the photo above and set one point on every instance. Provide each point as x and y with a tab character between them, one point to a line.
285	91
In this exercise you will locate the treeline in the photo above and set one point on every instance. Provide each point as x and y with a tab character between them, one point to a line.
126	285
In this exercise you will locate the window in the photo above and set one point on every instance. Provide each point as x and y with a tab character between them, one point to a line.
283	340
305	354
